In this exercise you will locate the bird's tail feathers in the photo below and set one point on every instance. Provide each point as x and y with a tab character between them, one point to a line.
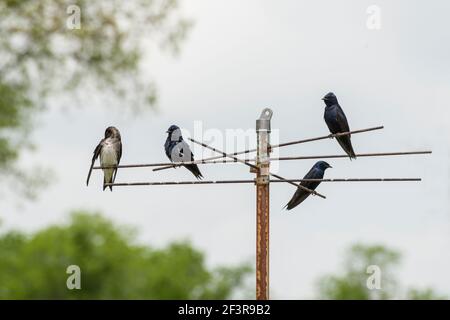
108	178
105	186
290	205
352	154
195	171
346	144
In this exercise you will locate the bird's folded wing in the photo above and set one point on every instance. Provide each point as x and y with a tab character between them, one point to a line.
97	151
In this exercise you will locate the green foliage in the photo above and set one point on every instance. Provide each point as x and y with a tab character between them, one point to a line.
352	283
13	108
424	294
113	265
41	58
15	113
39	49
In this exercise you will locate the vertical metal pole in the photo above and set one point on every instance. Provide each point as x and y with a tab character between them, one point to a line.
262	204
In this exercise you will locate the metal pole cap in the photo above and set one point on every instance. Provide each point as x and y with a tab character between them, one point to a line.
263	123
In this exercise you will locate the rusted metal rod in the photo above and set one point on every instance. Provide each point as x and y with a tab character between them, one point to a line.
256	168
263	128
329	136
360	180
171	183
224	160
360	155
171	164
203	161
248	181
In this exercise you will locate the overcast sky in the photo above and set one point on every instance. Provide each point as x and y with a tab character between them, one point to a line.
240	57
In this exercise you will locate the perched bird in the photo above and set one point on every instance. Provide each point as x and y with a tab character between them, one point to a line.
337	123
177	150
316	172
110	151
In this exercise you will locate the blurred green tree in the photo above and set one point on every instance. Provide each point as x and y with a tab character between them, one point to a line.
45	54
113	265
352	283
424	294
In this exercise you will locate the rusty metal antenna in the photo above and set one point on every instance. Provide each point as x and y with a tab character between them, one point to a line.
261	168
262	204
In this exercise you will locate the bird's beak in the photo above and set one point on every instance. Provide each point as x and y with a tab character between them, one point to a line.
330	167
167	131
323	99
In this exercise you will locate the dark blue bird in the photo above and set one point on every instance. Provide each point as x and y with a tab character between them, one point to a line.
177	150
316	172
337	123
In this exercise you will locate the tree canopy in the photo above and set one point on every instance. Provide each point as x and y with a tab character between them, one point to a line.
113	265
351	284
42	56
